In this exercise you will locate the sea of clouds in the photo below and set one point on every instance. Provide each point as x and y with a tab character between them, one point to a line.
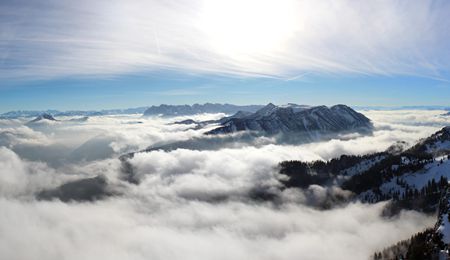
188	204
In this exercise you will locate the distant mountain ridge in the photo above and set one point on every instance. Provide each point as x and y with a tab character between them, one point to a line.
402	108
160	110
183	110
174	110
56	113
294	118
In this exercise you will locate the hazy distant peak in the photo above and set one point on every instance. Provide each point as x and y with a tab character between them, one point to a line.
42	117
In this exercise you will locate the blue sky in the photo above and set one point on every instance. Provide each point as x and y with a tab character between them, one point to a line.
175	88
117	54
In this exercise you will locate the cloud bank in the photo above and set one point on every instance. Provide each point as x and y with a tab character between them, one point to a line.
126	229
48	39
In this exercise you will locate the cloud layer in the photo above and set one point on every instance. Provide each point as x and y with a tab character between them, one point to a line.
189	204
47	39
126	229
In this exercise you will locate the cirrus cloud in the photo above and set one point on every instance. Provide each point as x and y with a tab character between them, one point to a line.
47	39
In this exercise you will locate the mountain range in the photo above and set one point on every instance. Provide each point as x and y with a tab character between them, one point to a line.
57	113
182	110
161	110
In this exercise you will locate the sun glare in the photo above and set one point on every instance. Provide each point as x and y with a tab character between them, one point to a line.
247	27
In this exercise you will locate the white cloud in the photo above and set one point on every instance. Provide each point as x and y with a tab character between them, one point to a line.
99	138
20	134
20	178
266	38
128	229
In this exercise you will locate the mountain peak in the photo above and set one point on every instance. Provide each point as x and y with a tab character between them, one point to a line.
47	116
44	116
266	110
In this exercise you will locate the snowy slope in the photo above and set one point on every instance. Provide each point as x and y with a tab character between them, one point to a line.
417	180
362	166
436	144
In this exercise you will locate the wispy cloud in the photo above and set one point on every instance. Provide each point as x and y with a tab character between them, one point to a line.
181	92
46	39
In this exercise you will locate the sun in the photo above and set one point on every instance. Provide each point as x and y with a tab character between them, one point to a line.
247	27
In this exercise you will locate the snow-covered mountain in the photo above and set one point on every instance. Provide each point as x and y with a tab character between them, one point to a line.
42	117
288	124
436	144
46	118
181	110
294	118
420	171
414	178
417	170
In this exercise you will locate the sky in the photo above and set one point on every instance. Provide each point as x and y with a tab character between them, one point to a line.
116	54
